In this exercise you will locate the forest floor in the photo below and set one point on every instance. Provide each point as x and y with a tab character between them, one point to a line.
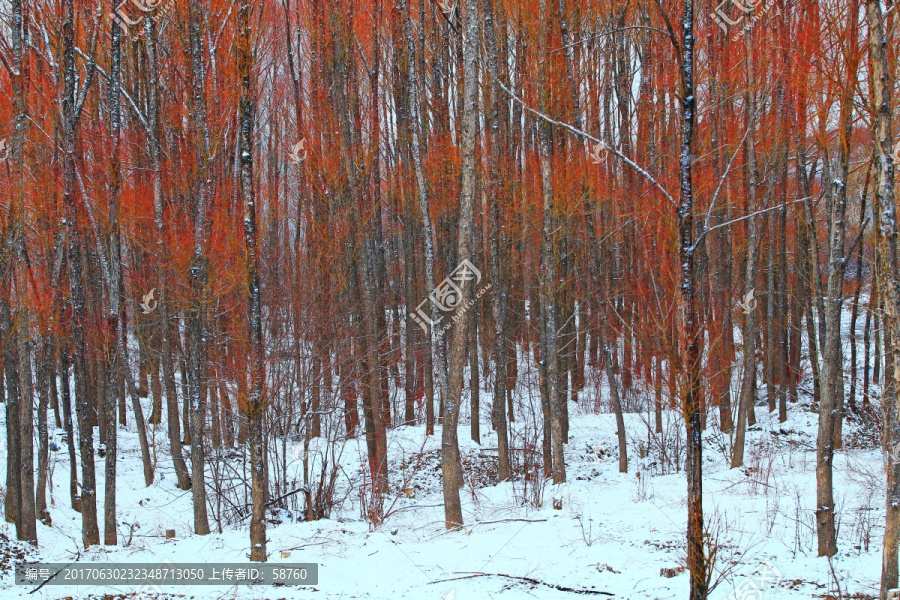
614	533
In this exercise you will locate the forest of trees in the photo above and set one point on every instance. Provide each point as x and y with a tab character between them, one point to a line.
283	220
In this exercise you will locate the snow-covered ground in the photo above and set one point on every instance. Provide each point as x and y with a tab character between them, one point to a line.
614	533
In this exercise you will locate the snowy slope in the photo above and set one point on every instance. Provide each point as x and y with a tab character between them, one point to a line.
614	532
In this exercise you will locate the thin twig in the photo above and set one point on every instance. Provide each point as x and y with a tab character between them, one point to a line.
587	136
531	580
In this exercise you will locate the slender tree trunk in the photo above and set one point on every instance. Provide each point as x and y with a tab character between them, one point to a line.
548	281
115	313
867	337
165	326
255	409
657	396
809	260
689	327
450	465
832	371
411	356
13	443
198	273
854	311
887	267
474	377
890	438
85	399
499	297
831	406
771	333
747	397
19	342
616	397
362	268
435	344
28	515
45	373
66	399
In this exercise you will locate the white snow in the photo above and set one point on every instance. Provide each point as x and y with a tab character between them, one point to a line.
614	533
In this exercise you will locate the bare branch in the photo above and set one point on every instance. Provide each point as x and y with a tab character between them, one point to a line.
585	135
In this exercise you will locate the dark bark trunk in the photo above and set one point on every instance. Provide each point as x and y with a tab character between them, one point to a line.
13	443
66	399
690	330
255	409
499	297
888	274
450	465
198	273
548	280
45	374
85	397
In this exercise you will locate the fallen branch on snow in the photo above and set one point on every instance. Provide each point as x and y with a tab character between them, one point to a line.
531	580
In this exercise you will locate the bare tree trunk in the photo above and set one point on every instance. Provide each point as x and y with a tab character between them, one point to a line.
854	311
657	396
45	374
198	274
51	375
867	336
611	374
13	443
771	333
165	326
435	343
831	406
497	237
890	438
608	351
255	409
474	377
689	327
362	267
722	351
548	299
808	257
66	399
832	371
70	111
18	329
747	397
114	315
887	274
411	357
28	525
450	465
